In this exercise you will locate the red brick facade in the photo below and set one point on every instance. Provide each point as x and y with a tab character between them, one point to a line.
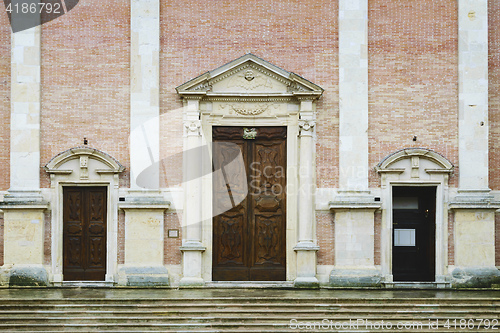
413	86
325	229
85	80
5	33
171	251
413	78
297	36
494	92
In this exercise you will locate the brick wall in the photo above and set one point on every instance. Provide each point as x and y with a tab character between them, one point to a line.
5	33
85	79
325	231
497	239
298	36
494	93
413	78
377	240
47	246
171	252
1	240
451	238
121	237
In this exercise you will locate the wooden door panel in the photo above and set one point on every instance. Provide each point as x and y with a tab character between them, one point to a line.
84	233
269	243
249	237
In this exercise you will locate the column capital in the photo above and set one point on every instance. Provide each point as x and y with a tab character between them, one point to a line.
193	127
306	127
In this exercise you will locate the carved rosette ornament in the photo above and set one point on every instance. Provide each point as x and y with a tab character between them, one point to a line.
306	127
192	128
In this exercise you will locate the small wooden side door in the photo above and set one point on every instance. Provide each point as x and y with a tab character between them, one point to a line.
84	233
414	260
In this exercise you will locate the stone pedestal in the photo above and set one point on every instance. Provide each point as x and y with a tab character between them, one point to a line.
24	244
354	244
474	247
144	242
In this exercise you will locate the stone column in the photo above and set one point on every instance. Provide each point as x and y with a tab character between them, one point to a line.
306	247
354	206
474	207
144	93
192	247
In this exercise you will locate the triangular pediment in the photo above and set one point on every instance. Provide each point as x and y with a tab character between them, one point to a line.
250	76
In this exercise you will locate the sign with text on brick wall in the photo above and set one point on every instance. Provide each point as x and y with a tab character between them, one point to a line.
26	14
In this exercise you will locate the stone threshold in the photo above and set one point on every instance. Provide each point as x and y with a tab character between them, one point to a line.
249	284
417	285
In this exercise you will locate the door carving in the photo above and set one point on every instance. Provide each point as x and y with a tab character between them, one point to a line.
84	233
249	236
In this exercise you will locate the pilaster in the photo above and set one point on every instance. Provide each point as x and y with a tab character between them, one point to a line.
354	206
306	247
353	95
474	205
192	247
25	113
473	95
144	93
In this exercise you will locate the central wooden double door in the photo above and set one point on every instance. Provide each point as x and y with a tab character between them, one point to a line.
249	233
84	233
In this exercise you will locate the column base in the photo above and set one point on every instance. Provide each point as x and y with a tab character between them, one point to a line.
149	276
475	277
27	276
306	282
306	265
191	282
191	261
355	278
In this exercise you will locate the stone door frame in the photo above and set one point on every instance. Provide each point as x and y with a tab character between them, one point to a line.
415	167
250	92
83	166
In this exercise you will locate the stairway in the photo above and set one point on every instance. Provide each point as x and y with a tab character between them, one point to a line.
167	310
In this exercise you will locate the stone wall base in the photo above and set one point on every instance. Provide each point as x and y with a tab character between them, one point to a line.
475	277
24	276
143	276
354	278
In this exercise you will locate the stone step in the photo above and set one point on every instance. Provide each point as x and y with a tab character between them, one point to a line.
410	326
254	306
238	314
484	313
234	318
275	300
